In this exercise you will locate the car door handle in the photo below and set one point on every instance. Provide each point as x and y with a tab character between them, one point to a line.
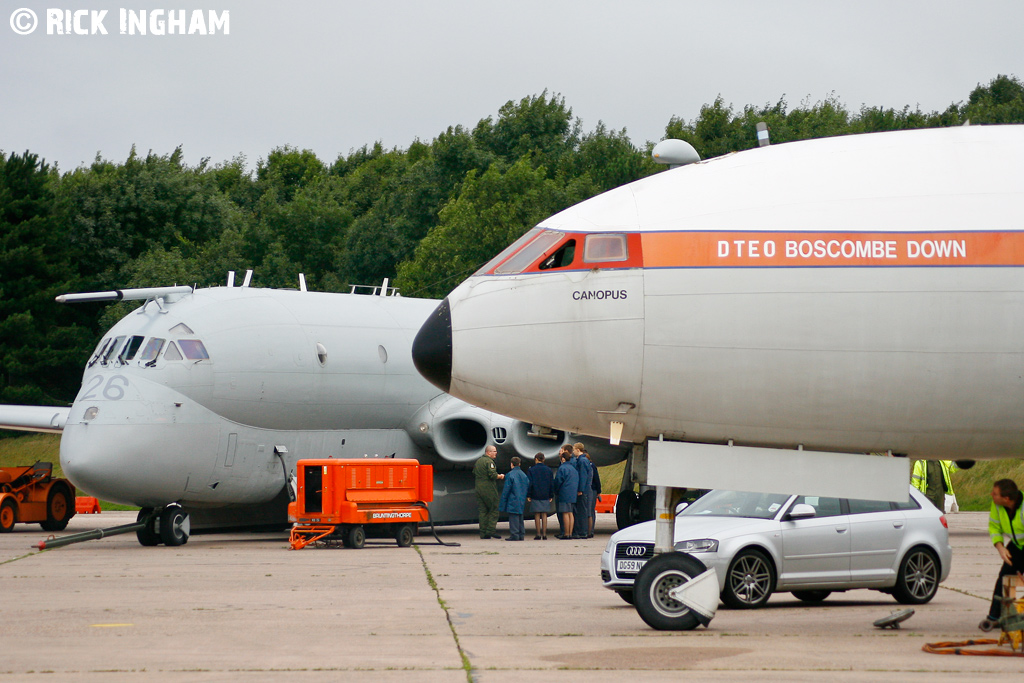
841	529
897	525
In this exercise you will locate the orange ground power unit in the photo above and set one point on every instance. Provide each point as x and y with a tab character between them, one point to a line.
347	500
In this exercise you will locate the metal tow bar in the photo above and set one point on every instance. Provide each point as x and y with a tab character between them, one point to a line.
53	542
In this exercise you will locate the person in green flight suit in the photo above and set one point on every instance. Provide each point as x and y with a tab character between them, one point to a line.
486	475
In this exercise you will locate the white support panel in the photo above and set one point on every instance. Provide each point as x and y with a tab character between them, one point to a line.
773	470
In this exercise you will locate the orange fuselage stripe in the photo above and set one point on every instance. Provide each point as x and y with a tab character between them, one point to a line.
798	249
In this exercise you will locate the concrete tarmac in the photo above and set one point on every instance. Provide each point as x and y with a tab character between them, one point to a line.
242	606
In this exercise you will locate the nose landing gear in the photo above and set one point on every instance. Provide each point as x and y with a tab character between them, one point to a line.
169	525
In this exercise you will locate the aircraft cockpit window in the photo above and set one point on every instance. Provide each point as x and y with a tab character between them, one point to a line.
100	350
172	352
111	350
131	348
181	328
561	258
510	249
530	253
193	349
151	351
600	248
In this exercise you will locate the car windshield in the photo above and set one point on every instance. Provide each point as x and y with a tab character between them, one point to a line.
737	504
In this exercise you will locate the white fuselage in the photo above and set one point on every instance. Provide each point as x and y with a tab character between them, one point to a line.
858	294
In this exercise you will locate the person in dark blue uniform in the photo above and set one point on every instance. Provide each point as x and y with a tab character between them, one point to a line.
513	500
538	496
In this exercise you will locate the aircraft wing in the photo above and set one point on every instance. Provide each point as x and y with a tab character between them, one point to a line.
33	418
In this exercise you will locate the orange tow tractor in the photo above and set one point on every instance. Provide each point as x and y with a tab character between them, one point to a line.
31	494
348	500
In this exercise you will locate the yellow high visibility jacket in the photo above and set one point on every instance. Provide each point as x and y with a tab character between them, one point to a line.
1003	529
919	478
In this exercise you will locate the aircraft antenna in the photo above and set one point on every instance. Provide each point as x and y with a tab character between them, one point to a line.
302	282
231	278
248	278
674	153
762	134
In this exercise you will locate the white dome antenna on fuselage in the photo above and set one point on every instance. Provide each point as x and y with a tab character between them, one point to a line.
674	153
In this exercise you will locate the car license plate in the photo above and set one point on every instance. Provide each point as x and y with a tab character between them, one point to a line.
628	565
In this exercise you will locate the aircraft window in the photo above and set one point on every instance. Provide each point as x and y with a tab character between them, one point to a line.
321	353
561	258
510	249
172	352
131	348
181	328
823	507
152	349
530	253
600	248
99	351
111	349
193	349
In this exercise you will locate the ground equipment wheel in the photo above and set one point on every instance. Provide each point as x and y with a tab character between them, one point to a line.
147	536
60	508
356	536
918	578
811	596
655	580
8	515
626	595
174	526
405	535
626	505
750	580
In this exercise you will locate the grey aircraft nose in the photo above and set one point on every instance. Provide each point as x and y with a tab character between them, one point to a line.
432	348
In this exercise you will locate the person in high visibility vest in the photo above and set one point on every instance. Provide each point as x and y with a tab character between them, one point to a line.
931	477
1006	528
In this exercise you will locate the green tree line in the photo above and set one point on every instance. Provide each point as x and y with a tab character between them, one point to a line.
425	216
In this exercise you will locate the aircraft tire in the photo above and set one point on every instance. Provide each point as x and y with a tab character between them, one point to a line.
146	535
60	508
356	536
625	509
8	515
645	511
174	526
650	592
405	535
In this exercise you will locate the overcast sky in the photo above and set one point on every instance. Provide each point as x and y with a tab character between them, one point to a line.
333	75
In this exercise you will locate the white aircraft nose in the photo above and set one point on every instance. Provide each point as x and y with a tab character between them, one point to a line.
117	463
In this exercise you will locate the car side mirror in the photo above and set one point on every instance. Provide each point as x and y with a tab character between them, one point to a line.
801	511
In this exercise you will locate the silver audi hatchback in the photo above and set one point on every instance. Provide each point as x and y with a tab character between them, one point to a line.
810	546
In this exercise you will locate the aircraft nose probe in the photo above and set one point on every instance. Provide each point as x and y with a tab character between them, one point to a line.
432	348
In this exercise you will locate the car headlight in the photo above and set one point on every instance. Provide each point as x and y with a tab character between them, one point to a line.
702	545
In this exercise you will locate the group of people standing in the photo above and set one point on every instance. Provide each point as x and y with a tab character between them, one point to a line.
574	488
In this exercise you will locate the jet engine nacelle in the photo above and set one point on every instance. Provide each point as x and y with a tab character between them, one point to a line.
459	432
